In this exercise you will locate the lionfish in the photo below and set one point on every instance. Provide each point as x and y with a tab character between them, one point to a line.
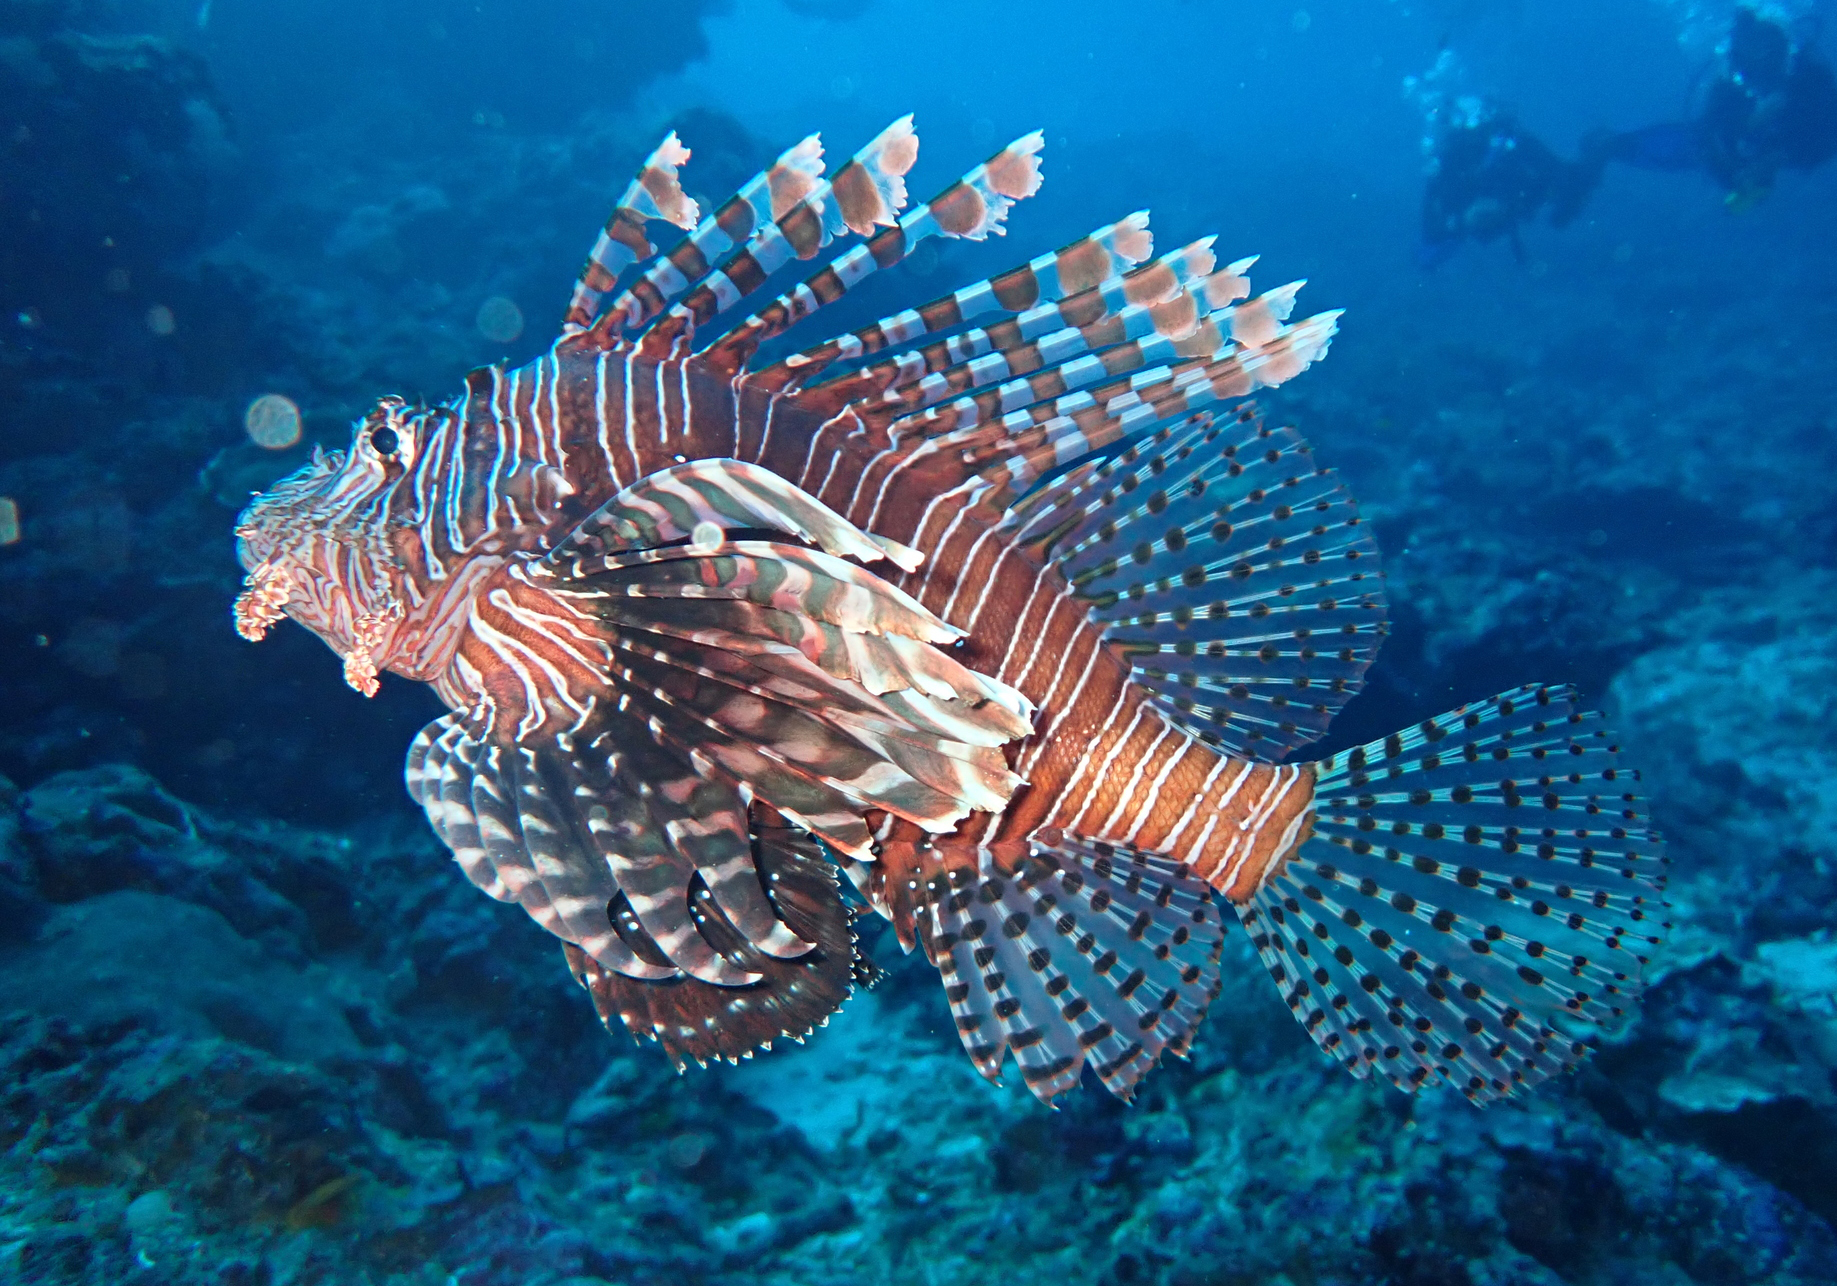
1006	608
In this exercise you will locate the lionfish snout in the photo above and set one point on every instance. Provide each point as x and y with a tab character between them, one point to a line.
268	585
315	550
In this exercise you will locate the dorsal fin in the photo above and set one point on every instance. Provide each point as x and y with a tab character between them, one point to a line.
972	208
656	193
1232	570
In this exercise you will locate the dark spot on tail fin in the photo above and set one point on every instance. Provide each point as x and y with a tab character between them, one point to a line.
700	1021
1073	957
1480	894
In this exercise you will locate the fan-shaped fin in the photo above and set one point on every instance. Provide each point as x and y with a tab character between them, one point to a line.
1479	892
694	1020
1082	951
565	827
1234	572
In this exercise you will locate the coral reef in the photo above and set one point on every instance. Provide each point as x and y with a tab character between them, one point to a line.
251	1052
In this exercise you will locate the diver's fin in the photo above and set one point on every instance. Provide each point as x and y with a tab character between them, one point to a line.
694	1020
1232	570
1082	951
1479	892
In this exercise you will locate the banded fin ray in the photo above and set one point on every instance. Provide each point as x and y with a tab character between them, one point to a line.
567	828
971	209
765	197
1233	571
1150	315
1479	894
989	447
1075	285
1027	428
1085	951
656	193
685	501
696	1021
866	193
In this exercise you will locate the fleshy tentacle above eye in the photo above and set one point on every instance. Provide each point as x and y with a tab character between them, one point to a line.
631	697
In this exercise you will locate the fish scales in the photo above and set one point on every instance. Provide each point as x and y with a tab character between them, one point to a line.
1013	622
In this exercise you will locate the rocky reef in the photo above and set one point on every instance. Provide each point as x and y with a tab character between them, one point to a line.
255	1029
252	1052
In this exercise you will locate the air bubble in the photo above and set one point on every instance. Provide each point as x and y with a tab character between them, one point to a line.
499	320
272	421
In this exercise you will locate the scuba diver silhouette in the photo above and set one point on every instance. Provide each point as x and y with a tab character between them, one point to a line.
1488	176
1770	104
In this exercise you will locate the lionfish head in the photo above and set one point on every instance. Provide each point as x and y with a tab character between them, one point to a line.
317	546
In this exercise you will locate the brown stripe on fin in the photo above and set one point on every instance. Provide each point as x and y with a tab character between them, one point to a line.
1480	894
870	190
766	196
656	193
808	678
698	1022
991	189
1050	299
808	213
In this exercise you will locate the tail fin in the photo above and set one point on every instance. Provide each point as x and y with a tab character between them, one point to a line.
1479	892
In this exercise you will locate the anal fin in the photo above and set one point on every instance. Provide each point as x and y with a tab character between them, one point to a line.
1081	952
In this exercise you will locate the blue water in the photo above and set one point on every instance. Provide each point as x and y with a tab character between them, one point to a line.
254	1026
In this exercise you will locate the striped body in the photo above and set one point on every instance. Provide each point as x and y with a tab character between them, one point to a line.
530	452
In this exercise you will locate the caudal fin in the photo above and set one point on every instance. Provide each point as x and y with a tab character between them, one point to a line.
1479	894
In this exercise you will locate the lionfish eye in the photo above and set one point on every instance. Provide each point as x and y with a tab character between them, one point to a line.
384	441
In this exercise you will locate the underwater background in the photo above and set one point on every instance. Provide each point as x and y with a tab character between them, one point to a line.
255	1029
